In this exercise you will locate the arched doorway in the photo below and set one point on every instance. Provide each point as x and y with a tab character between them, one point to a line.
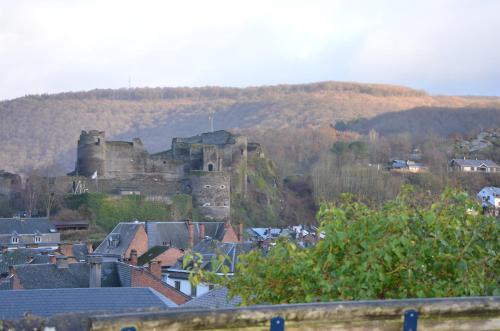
210	167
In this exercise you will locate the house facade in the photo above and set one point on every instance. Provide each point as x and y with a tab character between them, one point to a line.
466	165
23	232
489	197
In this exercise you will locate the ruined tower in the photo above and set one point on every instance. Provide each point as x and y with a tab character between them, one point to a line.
91	154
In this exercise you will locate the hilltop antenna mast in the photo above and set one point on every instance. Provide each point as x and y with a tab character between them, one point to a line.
211	115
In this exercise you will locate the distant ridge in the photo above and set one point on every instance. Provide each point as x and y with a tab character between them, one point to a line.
41	130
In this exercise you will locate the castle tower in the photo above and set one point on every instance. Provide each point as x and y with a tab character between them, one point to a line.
211	192
91	154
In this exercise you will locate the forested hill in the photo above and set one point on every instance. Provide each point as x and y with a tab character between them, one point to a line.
42	130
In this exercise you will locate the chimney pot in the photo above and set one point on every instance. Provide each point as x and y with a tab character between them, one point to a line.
190	233
52	259
202	230
155	268
133	257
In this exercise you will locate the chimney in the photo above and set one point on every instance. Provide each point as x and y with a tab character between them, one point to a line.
155	268
190	233
95	262
133	257
90	249
202	230
62	262
52	259
65	249
240	232
12	270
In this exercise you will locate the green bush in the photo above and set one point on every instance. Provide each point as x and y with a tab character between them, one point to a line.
398	251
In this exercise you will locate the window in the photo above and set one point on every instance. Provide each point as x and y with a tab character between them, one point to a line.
193	291
15	240
241	151
222	187
177	285
210	167
208	186
38	239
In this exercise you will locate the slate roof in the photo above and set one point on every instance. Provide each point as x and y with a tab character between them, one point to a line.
474	163
151	254
175	234
210	248
21	256
80	251
125	233
220	137
26	225
44	276
215	299
48	302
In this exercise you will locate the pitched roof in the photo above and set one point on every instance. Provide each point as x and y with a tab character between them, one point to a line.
26	225
176	234
21	256
216	298
220	137
39	276
474	163
151	254
210	248
118	240
48	302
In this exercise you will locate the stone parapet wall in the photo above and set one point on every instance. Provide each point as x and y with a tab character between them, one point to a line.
474	313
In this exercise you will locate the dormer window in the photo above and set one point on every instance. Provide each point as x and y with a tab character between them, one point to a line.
38	239
14	240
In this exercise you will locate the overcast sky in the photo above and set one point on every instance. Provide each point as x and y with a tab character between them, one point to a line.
443	47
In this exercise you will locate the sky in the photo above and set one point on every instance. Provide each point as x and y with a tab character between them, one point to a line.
440	46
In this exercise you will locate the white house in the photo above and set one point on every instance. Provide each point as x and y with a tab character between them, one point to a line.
489	197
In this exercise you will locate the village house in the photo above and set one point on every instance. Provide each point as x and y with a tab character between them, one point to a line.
94	273
489	197
178	275
406	166
466	165
23	232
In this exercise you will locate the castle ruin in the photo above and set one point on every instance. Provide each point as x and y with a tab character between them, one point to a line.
208	167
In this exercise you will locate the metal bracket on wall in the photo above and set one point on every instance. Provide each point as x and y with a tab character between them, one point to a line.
410	320
277	324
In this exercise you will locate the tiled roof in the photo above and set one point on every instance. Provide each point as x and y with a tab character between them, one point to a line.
25	225
176	234
48	302
125	233
216	298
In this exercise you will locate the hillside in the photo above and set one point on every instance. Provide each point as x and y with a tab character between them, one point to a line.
42	131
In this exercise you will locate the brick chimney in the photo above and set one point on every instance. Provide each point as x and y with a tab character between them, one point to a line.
202	230
240	232
12	270
155	268
52	259
190	226
65	249
95	262
133	257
